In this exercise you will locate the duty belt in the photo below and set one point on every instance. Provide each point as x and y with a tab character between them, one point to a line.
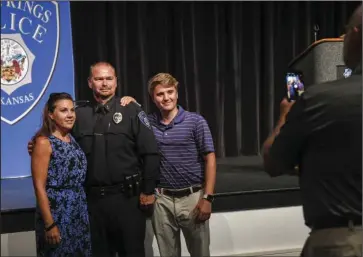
105	190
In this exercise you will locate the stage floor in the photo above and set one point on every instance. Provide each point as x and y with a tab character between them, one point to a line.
241	185
238	174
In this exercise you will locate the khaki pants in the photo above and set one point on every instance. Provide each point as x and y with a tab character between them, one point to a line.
173	214
334	242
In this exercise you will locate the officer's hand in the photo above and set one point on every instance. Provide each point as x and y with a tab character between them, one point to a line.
30	147
147	199
126	100
203	210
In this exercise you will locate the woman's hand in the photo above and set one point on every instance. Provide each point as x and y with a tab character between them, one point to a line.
53	236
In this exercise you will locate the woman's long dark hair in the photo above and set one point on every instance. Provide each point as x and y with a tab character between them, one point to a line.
48	125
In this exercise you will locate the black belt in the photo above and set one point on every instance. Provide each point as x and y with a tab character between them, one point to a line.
179	192
336	222
105	190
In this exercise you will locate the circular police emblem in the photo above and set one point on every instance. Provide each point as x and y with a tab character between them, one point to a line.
14	62
117	117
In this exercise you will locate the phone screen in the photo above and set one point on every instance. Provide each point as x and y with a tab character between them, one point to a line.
294	85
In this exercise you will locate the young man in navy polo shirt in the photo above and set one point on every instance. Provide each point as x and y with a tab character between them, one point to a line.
187	172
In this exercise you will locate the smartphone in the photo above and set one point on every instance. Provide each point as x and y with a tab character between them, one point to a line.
294	85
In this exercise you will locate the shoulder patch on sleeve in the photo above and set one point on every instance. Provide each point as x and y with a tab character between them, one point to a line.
143	119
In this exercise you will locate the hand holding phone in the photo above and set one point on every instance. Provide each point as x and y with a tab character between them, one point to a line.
294	85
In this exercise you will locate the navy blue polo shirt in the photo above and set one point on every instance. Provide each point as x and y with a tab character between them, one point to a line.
182	143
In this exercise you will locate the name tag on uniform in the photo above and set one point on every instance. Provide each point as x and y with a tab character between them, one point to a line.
117	117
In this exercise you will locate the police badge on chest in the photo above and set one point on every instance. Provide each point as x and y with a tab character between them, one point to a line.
117	117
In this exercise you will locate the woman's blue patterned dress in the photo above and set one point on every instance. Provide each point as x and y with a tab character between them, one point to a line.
66	175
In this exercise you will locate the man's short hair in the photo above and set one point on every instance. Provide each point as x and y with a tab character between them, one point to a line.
100	63
355	20
164	79
353	40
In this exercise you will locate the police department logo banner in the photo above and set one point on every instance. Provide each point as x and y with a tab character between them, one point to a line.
36	60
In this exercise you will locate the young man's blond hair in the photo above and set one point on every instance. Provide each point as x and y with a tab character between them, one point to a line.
164	79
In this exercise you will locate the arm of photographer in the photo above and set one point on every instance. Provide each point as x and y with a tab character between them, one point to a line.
281	149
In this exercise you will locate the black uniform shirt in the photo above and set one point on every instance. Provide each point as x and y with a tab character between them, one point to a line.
118	141
323	135
98	173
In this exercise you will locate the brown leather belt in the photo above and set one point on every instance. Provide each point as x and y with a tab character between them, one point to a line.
179	192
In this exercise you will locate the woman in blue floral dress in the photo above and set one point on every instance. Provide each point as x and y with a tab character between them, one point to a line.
59	169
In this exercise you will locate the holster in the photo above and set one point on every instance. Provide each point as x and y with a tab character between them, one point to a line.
132	185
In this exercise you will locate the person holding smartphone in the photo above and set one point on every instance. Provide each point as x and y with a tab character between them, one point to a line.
322	133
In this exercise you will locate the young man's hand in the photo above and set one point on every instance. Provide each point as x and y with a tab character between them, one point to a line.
126	100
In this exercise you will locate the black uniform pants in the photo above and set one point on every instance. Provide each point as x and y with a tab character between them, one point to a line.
117	226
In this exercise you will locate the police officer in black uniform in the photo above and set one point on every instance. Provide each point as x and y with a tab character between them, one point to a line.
123	167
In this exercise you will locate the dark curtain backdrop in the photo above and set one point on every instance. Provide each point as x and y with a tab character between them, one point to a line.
229	57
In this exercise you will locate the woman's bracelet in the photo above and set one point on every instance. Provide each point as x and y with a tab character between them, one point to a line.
50	227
